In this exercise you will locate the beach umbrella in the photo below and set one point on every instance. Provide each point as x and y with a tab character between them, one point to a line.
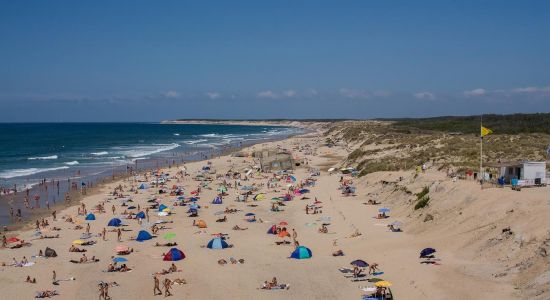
383	283
250	214
217	243
174	254
143	236
383	210
13	240
427	251
162	207
259	197
90	217
78	242
140	215
114	222
292	178
283	223
169	236
119	259
222	189
121	248
301	252
359	263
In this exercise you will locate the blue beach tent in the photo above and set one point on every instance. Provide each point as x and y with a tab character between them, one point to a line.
90	217
301	253
143	236
140	215
217	243
217	200
115	222
174	254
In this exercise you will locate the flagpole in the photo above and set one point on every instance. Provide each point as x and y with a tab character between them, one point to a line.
481	151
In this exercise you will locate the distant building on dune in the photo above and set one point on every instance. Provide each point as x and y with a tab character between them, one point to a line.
274	160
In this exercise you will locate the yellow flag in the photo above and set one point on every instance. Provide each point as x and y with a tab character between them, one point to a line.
485	131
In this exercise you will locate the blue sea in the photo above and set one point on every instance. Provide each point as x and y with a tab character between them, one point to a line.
32	152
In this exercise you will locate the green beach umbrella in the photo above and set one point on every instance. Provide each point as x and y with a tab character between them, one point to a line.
169	235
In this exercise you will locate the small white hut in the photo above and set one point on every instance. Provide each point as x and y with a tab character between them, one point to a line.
528	173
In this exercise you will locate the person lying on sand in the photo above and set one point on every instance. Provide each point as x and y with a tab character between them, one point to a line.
371	202
179	281
224	219
236	227
173	268
88	243
49	236
76	249
46	294
338	253
373	268
166	244
355	234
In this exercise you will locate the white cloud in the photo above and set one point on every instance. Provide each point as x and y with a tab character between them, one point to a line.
267	94
213	95
424	96
353	94
289	93
381	93
476	92
171	94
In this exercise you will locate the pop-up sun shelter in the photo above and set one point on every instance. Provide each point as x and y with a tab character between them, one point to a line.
174	254
162	207
301	253
49	252
90	217
143	236
272	230
217	200
140	215
115	222
217	243
143	186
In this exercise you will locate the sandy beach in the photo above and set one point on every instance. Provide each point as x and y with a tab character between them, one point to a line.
465	216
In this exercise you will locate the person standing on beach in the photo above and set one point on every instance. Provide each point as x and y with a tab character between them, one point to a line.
54	276
156	286
119	234
54	215
104	235
113	209
167	285
88	228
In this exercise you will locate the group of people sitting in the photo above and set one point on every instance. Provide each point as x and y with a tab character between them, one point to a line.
115	268
84	259
274	285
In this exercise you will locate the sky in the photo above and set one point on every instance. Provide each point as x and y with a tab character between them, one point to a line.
66	61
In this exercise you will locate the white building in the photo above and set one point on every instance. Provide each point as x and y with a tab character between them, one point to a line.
528	173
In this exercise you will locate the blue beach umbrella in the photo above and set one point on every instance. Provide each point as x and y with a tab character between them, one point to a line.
250	214
119	259
301	252
426	252
217	243
140	215
384	210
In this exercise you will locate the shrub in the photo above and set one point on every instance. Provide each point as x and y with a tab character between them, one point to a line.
422	203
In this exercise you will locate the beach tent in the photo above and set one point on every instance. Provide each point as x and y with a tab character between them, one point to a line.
140	215
272	230
162	207
143	236
174	254
143	186
217	200
194	206
301	253
49	252
426	252
259	197
217	243
115	222
90	217
201	224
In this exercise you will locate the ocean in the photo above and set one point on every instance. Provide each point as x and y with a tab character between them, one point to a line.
32	152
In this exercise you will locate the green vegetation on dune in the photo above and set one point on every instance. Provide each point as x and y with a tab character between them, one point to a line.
500	124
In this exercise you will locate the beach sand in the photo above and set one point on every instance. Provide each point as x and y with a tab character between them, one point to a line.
464	272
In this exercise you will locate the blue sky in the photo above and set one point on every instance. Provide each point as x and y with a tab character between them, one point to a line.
154	60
